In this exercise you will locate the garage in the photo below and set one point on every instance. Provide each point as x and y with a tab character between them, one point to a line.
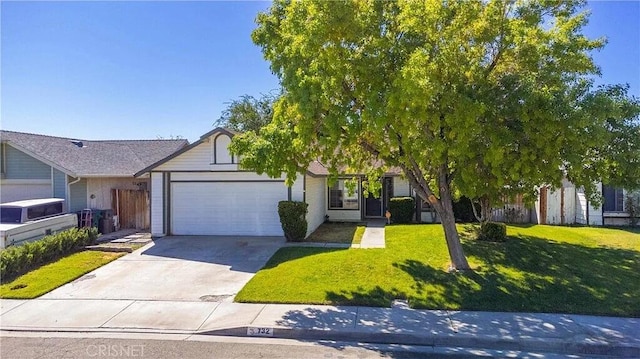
226	208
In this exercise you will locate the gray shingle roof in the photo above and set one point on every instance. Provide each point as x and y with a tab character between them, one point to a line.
116	158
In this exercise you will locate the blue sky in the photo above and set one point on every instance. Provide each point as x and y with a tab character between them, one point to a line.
129	70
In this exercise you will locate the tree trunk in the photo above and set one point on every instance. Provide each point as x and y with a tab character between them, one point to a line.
458	259
443	207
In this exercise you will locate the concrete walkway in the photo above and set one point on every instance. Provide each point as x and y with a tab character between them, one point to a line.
374	234
548	333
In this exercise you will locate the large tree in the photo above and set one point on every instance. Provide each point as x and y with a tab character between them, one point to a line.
440	89
248	113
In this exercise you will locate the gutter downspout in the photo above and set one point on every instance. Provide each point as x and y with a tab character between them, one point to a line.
69	192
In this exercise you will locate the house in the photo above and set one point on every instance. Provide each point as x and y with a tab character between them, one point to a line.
569	205
80	171
200	190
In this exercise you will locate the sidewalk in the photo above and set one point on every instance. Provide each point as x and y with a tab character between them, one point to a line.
551	333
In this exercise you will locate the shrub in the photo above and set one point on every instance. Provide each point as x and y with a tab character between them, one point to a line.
293	219
402	209
16	260
493	232
462	210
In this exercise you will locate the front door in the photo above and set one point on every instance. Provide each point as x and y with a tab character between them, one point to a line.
375	207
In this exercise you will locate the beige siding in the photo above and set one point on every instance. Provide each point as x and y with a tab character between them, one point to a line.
426	217
221	176
157	204
344	215
100	189
297	189
195	159
315	194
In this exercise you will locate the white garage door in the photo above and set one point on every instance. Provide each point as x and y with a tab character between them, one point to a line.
226	208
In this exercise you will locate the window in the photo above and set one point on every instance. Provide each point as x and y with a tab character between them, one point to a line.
44	210
340	198
10	215
613	199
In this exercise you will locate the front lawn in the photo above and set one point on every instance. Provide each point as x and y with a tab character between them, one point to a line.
51	276
539	269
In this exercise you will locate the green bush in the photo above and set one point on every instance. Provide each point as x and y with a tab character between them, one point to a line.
402	209
463	210
293	217
16	260
493	232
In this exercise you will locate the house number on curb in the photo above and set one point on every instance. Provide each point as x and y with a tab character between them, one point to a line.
260	332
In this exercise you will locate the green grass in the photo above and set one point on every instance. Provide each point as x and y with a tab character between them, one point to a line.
337	233
51	276
539	269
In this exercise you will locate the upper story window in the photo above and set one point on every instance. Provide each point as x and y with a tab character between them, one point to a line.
613	199
221	153
340	198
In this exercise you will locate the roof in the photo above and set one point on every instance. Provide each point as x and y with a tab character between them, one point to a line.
316	168
93	158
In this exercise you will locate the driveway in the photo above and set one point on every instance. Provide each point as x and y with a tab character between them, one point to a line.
207	268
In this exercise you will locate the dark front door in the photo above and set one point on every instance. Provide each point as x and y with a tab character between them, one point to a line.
373	206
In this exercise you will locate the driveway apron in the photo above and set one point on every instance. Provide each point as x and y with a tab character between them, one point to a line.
180	268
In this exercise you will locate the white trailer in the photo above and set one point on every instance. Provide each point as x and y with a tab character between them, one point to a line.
30	220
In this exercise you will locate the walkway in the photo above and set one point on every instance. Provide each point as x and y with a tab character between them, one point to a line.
374	234
537	332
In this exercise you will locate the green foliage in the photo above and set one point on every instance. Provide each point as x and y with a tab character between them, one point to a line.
492	232
402	209
52	275
479	96
550	269
293	219
16	260
463	211
248	113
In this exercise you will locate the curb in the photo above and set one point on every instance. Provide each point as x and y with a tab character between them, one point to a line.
557	346
549	345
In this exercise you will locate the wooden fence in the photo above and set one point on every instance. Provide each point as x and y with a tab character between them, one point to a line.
131	207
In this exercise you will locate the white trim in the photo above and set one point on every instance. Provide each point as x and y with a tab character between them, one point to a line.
53	187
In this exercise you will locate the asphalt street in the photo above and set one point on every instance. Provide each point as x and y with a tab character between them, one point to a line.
31	346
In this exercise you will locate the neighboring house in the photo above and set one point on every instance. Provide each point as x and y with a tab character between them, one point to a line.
80	171
569	205
200	190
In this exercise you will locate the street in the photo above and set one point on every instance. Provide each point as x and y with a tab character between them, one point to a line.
67	346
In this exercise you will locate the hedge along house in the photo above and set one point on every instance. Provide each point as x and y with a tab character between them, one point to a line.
82	172
201	190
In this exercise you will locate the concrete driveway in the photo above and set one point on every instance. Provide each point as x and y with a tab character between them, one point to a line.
207	268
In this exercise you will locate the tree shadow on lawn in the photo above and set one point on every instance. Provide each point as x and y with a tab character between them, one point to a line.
534	275
524	274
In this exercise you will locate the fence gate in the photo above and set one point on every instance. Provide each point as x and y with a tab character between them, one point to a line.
131	207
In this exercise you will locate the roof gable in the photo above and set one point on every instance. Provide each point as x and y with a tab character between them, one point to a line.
203	139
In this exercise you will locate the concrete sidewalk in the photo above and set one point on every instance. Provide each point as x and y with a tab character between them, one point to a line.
551	333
